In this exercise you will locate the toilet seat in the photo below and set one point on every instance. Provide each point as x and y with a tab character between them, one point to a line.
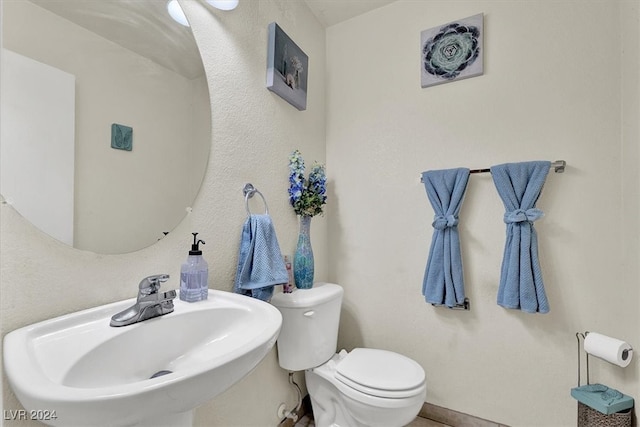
380	373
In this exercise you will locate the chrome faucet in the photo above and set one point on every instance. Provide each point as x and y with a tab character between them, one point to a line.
150	303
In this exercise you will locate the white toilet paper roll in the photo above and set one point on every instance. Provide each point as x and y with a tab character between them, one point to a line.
610	349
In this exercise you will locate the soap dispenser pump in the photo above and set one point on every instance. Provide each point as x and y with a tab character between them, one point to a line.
194	285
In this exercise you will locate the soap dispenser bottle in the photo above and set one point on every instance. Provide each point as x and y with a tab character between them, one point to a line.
194	274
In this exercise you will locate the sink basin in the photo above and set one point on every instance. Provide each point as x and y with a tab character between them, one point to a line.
80	370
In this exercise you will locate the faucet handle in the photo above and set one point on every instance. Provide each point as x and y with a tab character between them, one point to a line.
151	284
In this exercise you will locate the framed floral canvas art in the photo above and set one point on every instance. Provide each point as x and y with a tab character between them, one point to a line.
452	51
287	68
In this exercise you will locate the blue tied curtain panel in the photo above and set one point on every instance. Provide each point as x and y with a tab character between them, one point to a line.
443	278
519	186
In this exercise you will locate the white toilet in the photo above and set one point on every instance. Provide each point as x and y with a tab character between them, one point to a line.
362	388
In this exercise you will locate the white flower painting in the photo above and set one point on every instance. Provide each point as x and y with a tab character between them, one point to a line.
452	51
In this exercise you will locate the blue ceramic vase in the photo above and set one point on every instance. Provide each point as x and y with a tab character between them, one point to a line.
303	258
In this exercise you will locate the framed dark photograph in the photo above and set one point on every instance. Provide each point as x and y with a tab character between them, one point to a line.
287	68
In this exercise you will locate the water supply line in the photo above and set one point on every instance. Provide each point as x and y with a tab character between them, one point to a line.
293	383
294	413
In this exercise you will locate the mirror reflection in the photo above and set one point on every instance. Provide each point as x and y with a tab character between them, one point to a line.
105	120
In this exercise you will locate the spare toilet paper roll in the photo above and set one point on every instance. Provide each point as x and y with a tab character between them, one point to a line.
610	349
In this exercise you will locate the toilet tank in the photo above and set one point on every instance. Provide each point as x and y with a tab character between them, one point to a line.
310	319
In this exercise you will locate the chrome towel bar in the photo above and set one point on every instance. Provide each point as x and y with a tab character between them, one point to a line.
558	167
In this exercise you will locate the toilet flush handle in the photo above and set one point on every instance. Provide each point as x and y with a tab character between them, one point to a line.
309	313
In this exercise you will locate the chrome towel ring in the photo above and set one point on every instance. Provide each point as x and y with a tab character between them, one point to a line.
249	190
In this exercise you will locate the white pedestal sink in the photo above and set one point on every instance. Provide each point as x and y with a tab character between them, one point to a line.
85	372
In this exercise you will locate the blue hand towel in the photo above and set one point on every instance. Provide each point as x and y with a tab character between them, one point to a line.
519	186
260	262
443	279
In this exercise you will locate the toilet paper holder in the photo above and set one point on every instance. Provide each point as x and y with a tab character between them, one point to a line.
625	354
578	335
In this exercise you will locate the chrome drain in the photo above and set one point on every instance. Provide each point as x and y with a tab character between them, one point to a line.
160	373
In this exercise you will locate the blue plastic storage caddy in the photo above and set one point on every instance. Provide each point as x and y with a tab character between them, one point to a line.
602	398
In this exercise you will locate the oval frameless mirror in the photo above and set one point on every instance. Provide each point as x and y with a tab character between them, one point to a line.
105	120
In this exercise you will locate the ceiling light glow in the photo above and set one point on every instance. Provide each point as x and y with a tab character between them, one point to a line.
223	4
176	12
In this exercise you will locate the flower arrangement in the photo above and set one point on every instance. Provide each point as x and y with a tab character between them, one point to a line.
307	196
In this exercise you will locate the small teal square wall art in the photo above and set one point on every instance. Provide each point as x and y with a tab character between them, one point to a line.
121	137
452	51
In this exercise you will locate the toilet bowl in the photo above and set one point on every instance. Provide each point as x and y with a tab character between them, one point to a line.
362	388
344	396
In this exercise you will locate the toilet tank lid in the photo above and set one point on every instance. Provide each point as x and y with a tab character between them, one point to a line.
305	298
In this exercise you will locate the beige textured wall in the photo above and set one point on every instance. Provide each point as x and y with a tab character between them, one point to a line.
545	94
556	86
253	133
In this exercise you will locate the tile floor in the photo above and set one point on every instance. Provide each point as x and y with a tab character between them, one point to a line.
425	422
307	421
